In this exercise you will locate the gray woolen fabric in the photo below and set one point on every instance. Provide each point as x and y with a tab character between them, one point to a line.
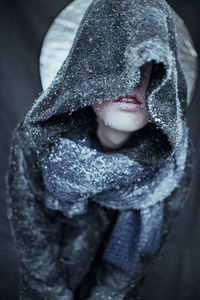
114	40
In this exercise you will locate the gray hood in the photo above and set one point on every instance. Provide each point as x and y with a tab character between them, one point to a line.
114	39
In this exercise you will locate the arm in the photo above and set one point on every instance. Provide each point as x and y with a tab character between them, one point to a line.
35	229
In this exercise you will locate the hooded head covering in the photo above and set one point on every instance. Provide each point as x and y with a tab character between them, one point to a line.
114	40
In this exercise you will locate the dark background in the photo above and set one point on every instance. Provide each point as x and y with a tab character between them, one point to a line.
23	24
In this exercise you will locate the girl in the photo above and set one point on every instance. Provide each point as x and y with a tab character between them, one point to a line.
100	167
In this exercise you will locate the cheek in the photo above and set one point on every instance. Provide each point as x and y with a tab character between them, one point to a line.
102	110
140	119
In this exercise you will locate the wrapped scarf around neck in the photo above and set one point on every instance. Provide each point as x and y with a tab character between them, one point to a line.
76	170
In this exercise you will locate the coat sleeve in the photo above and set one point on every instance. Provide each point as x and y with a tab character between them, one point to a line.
36	230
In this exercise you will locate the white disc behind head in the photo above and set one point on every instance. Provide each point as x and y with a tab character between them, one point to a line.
59	39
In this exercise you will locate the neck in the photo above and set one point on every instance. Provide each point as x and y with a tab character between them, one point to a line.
110	138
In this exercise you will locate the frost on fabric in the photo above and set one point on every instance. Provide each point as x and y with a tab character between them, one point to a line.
71	172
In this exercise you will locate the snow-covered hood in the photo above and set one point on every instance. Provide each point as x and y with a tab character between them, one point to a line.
114	39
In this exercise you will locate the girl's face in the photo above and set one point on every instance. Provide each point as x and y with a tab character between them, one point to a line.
128	113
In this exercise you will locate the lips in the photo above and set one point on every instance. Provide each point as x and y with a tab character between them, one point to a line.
129	102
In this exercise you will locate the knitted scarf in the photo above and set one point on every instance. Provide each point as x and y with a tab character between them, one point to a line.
77	170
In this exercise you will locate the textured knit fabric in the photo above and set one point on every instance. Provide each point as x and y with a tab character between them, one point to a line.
55	178
128	240
73	173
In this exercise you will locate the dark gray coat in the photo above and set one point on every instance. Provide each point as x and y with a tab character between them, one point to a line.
56	252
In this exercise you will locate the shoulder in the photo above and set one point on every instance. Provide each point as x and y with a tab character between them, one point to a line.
23	156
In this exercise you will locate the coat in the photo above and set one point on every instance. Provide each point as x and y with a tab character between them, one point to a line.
61	256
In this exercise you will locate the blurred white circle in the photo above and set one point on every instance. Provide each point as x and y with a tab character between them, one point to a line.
59	39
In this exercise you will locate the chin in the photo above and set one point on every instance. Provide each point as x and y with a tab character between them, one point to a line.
117	119
127	121
126	127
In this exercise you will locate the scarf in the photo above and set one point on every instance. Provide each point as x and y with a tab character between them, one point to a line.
76	170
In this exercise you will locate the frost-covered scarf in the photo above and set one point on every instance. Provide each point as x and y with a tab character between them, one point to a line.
133	180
